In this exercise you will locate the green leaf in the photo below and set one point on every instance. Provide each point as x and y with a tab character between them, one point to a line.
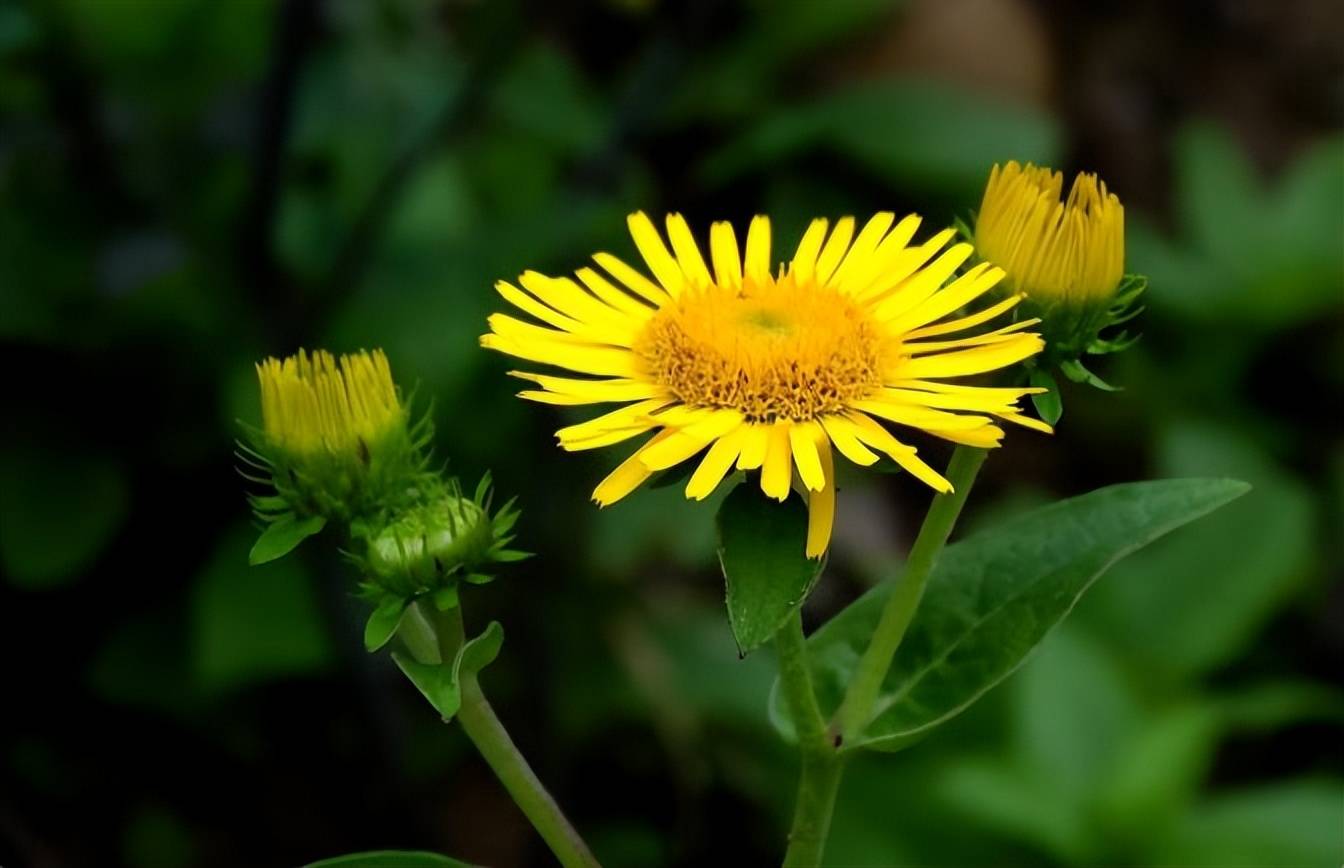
478	653
435	681
761	550
383	623
282	535
441	683
1048	404
992	598
390	859
1074	370
1293	823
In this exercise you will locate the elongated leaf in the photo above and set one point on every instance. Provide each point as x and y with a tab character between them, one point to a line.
389	859
762	551
383	623
441	683
992	598
282	535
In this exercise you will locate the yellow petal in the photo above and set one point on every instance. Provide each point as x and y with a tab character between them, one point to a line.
723	250
880	438
690	440
617	298
716	464
688	252
965	322
805	259
841	431
918	417
757	265
976	360
655	253
755	444
777	472
802	440
860	252
821	502
627	476
638	283
834	249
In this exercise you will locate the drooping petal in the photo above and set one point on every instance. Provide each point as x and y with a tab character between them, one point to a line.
821	501
777	472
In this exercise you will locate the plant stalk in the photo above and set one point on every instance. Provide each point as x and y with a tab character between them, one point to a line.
855	712
822	765
497	748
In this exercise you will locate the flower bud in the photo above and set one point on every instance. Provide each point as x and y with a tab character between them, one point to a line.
1066	256
428	547
335	436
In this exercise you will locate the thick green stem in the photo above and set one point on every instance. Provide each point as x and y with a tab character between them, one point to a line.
492	740
856	710
822	766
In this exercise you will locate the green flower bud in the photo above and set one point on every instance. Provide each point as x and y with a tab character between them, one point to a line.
429	547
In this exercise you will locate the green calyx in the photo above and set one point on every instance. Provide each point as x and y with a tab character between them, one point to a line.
426	548
380	473
1073	330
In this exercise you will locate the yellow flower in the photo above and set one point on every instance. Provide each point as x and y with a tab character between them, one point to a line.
767	370
316	404
1053	251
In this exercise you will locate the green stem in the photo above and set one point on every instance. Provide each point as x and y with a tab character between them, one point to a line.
486	731
856	710
822	766
492	740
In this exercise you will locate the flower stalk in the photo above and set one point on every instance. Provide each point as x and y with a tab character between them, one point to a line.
822	766
856	709
433	636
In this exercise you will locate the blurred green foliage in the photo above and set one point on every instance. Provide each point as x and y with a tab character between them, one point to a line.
186	186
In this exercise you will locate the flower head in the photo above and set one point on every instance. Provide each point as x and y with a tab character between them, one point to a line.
1070	252
335	437
1067	256
770	370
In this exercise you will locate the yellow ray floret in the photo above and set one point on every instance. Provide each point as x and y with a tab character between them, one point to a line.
765	371
1071	251
313	404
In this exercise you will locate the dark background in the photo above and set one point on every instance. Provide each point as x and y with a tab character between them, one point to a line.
188	185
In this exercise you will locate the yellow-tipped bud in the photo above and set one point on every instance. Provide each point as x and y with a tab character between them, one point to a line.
335	438
316	404
1054	251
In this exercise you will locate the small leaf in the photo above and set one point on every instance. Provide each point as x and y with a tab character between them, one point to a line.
383	623
992	598
435	681
390	859
1049	404
445	598
282	535
478	653
1074	370
761	550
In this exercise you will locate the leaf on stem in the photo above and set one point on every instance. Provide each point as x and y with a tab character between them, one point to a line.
767	575
990	601
282	535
